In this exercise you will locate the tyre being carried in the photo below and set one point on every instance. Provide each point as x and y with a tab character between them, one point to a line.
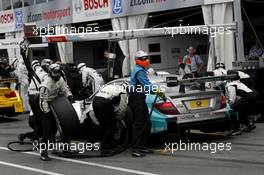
66	118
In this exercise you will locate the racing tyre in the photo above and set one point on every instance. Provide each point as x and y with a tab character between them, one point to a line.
66	118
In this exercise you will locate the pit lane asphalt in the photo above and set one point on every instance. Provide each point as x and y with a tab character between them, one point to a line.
246	157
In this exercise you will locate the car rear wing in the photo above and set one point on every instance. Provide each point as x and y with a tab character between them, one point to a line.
172	81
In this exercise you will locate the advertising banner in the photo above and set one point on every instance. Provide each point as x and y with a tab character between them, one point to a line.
90	10
52	13
7	21
135	7
76	11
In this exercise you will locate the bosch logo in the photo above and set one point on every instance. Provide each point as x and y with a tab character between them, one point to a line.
7	18
117	7
95	4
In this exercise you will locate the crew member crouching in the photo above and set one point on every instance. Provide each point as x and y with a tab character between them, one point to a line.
242	100
109	103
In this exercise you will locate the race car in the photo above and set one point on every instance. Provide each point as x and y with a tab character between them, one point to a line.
195	108
10	101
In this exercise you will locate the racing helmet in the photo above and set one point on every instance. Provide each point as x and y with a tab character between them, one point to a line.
35	64
81	65
142	59
55	71
45	63
220	65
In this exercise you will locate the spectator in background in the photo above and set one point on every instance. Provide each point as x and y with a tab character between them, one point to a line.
194	62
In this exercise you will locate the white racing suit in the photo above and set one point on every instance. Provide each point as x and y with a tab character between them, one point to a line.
242	100
34	116
112	91
22	75
33	88
90	77
49	90
218	84
108	106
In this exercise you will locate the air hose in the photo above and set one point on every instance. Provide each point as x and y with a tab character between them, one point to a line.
9	146
69	154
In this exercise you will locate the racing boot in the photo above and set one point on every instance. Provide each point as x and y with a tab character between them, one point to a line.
144	150
137	153
236	131
44	156
21	138
250	126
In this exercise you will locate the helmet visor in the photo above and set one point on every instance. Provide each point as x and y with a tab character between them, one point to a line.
144	58
56	73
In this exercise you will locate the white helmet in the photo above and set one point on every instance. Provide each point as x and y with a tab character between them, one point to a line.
35	64
81	65
141	54
46	62
55	71
220	65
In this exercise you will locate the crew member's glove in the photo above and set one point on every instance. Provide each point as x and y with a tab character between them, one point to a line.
161	95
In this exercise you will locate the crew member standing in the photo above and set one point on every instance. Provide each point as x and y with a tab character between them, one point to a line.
193	61
140	86
33	94
22	75
50	88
